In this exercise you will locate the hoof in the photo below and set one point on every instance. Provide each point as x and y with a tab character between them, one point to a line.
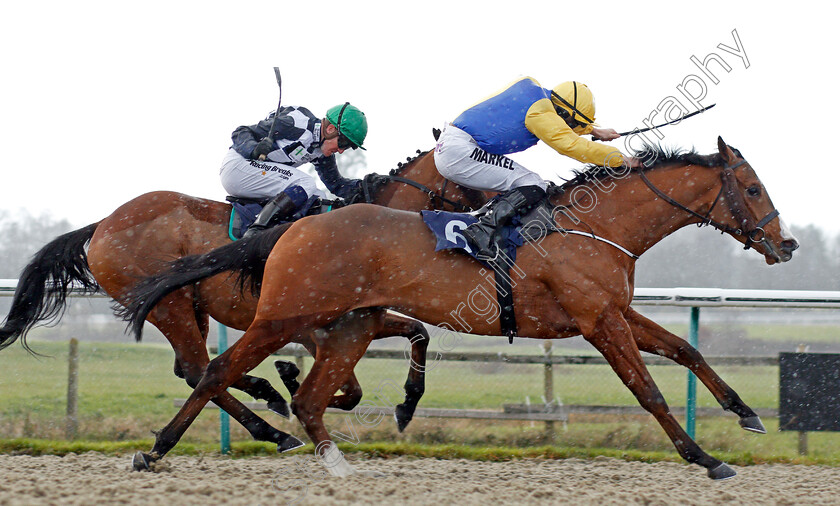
721	472
280	407
402	415
288	444
286	370
141	462
752	424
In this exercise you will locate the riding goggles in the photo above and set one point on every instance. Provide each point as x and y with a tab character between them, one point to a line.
345	143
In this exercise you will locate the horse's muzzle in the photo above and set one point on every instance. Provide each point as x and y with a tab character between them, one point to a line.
783	253
788	246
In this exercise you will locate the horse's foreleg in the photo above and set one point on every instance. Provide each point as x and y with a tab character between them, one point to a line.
652	338
612	337
415	384
343	344
261	339
260	388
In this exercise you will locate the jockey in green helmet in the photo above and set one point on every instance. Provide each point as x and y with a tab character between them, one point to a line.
350	126
258	167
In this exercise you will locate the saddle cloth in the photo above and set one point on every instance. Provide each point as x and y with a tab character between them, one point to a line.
538	223
447	227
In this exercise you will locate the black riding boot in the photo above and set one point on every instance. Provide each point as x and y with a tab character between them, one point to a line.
280	207
482	235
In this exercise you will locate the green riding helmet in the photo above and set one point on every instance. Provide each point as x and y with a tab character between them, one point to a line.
350	122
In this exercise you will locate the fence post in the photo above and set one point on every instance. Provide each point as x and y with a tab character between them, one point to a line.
224	418
71	427
299	356
548	385
691	394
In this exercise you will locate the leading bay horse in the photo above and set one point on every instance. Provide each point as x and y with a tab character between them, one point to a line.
569	285
144	234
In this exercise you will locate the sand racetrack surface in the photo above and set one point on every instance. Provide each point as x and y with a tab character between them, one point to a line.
92	478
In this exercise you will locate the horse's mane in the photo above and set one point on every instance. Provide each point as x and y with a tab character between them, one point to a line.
401	166
654	157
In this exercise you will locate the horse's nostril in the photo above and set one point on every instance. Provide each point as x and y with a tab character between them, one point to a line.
790	245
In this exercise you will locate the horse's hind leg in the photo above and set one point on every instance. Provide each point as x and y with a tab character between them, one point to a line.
258	388
613	338
262	338
351	390
185	335
415	384
652	338
340	346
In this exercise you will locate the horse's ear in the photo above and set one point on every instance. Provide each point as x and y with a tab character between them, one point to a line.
436	133
725	151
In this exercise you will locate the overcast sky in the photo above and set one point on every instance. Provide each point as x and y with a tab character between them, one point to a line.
101	102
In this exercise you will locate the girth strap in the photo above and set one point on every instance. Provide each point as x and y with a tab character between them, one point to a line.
504	295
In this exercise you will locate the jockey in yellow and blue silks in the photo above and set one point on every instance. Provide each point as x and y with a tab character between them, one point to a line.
471	149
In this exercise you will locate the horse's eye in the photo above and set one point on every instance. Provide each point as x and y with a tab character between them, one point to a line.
754	191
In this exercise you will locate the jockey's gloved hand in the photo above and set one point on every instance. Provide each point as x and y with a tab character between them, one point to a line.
264	147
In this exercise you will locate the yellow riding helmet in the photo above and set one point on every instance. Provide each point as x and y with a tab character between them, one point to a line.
576	99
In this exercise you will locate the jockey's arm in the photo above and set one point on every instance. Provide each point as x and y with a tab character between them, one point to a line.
542	120
604	134
327	170
246	138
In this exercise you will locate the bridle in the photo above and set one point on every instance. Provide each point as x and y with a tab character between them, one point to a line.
729	190
433	196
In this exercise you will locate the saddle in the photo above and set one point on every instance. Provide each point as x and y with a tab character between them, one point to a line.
245	211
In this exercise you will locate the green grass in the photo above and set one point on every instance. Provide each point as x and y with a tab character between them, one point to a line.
126	390
130	379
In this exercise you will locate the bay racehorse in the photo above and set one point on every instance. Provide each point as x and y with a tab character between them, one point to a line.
570	284
145	234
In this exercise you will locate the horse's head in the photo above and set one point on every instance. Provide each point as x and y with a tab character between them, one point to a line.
749	214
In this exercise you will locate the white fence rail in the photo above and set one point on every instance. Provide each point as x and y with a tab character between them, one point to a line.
685	297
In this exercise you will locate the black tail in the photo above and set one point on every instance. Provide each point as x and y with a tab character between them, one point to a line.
246	257
41	294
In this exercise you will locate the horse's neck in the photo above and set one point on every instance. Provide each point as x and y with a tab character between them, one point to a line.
397	195
633	216
422	170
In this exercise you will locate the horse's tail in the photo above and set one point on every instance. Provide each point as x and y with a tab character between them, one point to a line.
246	257
45	283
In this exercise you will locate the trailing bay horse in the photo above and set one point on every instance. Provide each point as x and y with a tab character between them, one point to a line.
569	284
145	234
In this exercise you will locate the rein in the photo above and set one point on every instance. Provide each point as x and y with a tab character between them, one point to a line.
737	206
431	193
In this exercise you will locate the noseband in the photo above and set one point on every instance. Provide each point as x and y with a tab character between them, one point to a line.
737	206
